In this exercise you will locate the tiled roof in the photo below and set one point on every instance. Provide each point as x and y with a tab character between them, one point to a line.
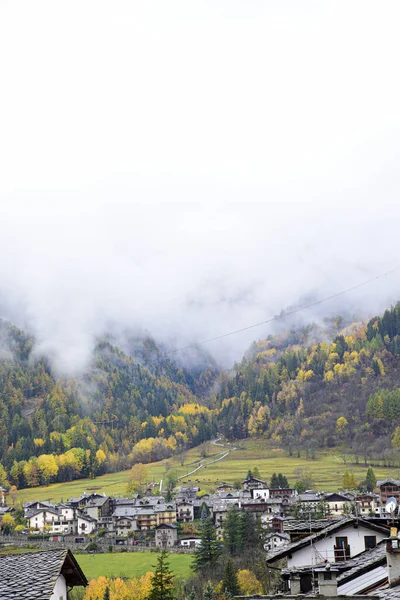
32	576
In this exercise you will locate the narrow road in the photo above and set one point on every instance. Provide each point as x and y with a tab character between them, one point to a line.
211	462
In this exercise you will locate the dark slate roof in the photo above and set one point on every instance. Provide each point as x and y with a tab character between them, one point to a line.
278	553
382	481
167	525
335	497
363	562
296	525
32	576
389	593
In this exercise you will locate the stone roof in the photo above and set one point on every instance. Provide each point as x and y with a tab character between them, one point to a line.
124	511
363	562
382	481
32	576
316	525
96	502
167	525
389	593
310	497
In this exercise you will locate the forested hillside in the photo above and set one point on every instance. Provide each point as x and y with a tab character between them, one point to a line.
306	395
118	412
320	386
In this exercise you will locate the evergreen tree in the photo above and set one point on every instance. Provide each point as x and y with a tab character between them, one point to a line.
256	473
209	592
204	513
233	541
106	594
208	552
249	474
282	481
162	580
230	581
247	536
274	483
192	594
370	480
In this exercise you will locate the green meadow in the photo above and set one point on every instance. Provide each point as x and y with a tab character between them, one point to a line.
327	470
131	564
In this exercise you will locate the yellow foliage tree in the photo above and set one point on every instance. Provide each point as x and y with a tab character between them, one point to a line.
248	582
47	466
137	479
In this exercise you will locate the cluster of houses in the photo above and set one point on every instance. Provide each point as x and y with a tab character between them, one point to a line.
279	509
350	551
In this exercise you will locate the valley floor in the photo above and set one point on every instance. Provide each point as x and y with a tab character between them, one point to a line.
131	564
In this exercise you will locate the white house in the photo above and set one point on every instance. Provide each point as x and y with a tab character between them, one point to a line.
276	539
85	524
340	541
190	542
337	503
44	520
184	512
262	493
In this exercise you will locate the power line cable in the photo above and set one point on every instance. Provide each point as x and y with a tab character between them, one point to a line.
288	313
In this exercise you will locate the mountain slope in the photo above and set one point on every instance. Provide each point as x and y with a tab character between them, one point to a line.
100	420
310	395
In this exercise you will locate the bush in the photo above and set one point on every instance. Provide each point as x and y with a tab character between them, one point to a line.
92	547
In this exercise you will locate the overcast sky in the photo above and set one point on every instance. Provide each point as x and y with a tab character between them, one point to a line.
188	168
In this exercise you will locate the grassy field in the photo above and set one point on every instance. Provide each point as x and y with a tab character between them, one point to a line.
327	471
130	564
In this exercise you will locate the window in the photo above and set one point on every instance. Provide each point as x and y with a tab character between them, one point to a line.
369	541
341	549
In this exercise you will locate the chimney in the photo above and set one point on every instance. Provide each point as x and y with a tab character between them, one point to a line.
295	585
393	558
327	581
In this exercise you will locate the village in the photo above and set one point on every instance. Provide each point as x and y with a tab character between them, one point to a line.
341	543
152	520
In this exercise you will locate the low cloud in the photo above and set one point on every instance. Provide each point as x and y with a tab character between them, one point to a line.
183	170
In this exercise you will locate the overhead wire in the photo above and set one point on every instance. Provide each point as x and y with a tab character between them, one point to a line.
285	314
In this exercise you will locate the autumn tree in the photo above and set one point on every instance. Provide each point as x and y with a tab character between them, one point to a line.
248	582
341	425
7	523
349	481
3	477
137	479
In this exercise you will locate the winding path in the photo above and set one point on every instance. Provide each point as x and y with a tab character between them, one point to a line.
211	462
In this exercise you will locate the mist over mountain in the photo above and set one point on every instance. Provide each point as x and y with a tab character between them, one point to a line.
190	274
184	170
